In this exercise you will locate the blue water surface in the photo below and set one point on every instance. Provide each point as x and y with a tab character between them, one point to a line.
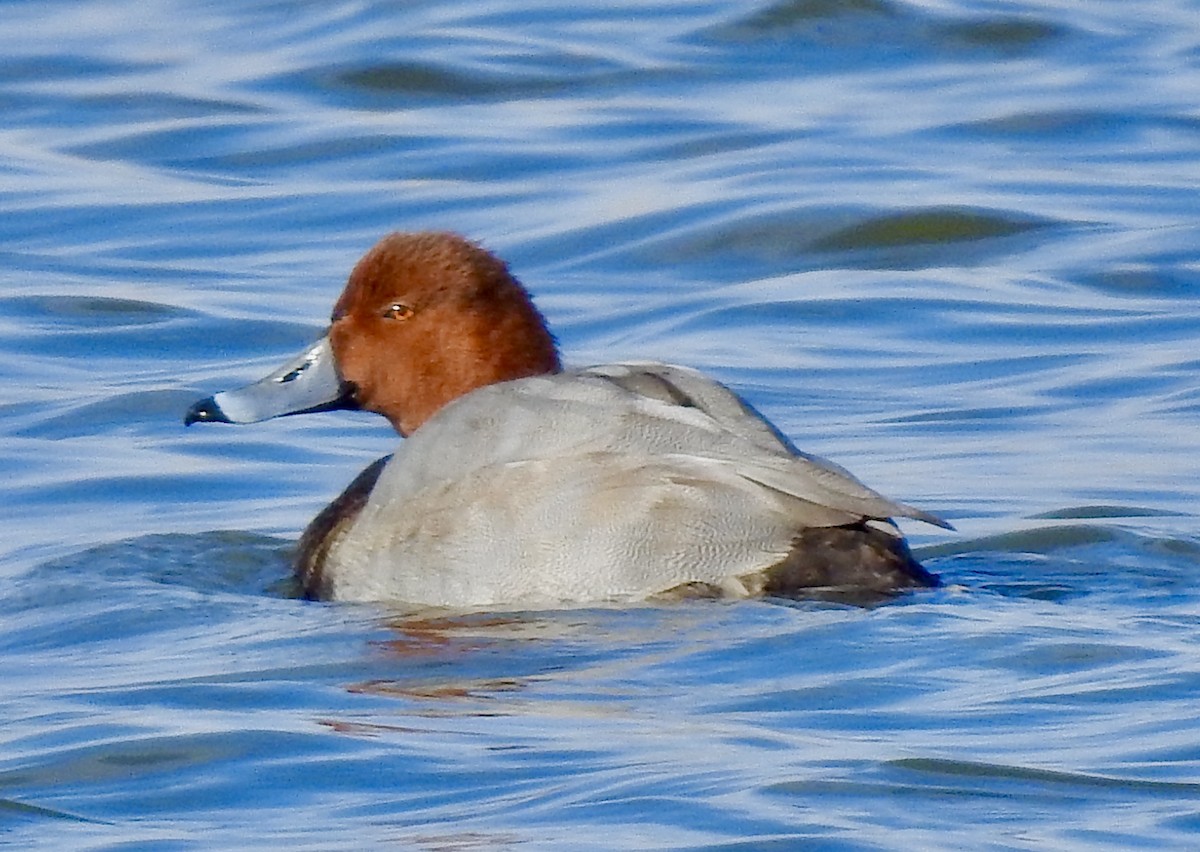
954	246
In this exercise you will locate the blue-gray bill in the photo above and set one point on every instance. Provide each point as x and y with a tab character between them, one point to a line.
308	383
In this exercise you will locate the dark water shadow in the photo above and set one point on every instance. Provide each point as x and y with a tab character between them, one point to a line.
1065	558
805	239
13	811
219	561
985	774
404	84
887	29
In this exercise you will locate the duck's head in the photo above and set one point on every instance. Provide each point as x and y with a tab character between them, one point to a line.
424	319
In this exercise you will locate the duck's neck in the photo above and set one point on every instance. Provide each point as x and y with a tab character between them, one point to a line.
511	344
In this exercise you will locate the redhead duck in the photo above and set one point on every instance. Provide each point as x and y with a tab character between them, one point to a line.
523	484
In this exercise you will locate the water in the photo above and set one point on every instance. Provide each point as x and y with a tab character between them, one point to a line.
951	245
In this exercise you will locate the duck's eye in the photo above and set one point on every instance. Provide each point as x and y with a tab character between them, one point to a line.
397	310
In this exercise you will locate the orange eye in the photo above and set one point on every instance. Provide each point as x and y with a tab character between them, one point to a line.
397	310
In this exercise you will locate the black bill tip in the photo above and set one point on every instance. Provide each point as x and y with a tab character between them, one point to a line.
205	411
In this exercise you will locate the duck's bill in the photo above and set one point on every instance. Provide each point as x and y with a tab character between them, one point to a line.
307	383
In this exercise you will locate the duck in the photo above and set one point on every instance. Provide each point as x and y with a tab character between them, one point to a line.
520	483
